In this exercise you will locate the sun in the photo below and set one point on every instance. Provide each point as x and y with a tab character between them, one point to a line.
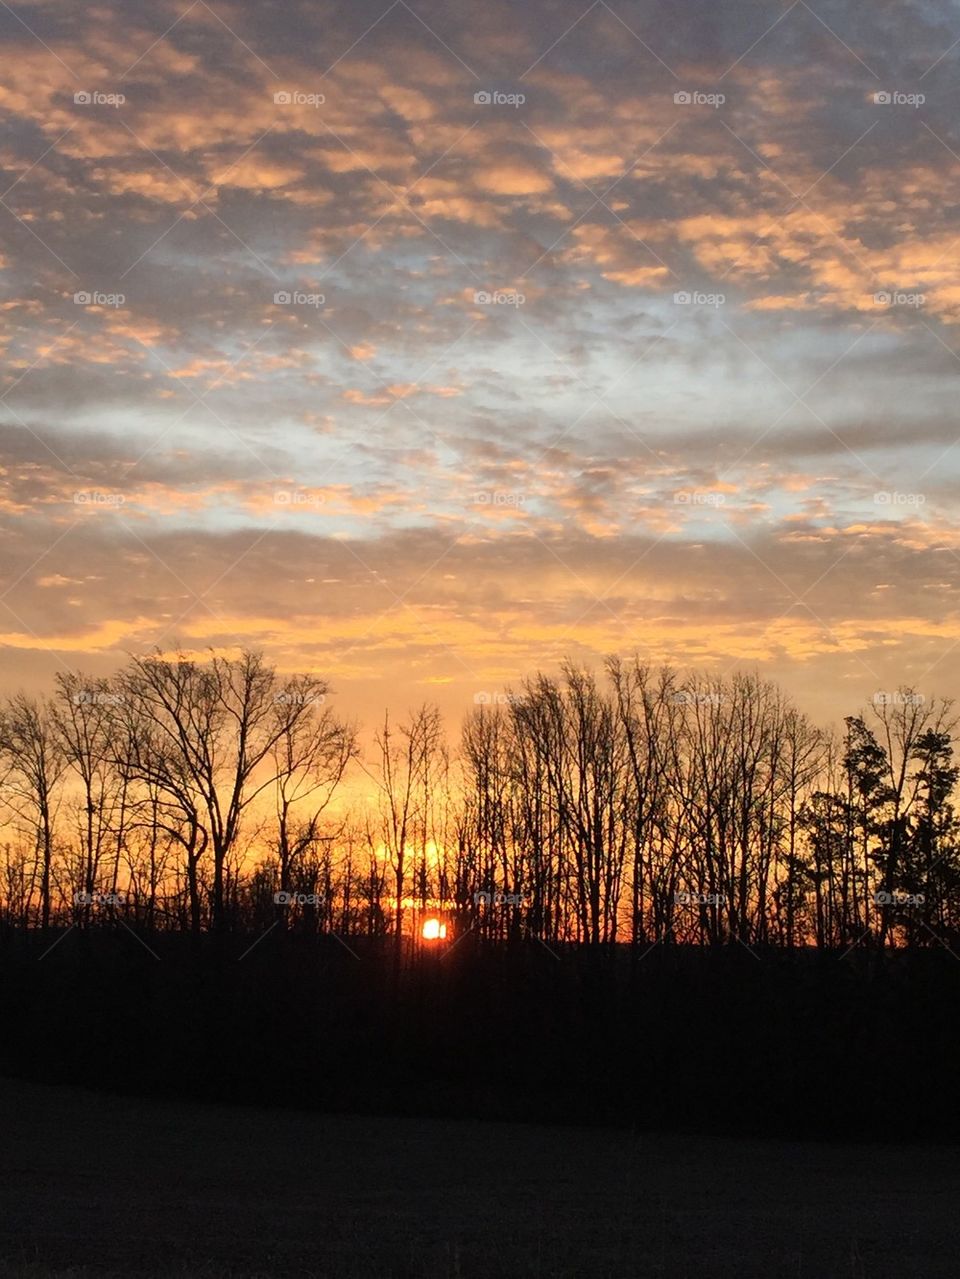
433	930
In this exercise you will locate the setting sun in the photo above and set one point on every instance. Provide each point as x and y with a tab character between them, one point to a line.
433	930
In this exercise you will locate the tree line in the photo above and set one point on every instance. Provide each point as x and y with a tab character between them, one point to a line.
633	805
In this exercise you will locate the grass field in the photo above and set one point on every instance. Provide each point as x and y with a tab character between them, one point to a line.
95	1185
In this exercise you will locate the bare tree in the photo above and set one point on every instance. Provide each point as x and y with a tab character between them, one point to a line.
86	726
310	754
205	735
35	764
403	775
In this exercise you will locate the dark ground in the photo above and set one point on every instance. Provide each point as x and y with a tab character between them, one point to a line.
93	1185
724	1041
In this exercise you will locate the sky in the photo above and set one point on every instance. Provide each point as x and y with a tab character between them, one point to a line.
424	345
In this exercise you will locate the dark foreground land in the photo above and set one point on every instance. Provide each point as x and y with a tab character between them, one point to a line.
95	1185
727	1042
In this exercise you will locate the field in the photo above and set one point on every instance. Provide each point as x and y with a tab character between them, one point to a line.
95	1185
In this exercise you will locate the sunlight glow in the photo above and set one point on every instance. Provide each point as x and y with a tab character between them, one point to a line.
433	930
